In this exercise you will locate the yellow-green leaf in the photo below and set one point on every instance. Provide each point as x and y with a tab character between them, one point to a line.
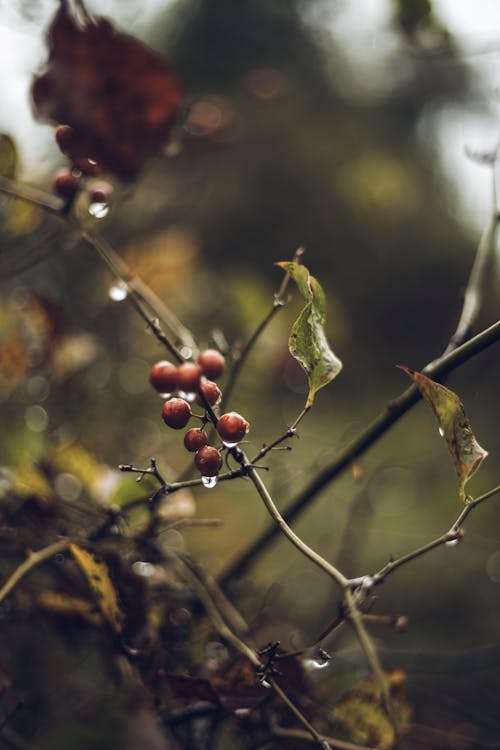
466	453
308	342
97	574
8	156
362	713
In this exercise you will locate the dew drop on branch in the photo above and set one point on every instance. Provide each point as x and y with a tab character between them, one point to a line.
209	482
98	210
118	292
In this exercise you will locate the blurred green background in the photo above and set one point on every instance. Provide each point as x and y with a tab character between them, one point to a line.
285	141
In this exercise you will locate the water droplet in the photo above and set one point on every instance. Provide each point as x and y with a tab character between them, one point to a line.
36	418
265	683
145	569
189	397
165	396
186	352
229	445
209	482
118	292
68	486
315	663
441	431
452	543
98	210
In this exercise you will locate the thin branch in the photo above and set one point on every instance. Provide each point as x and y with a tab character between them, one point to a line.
314	734
355	618
278	303
289	433
472	297
454	534
34	559
227	633
282	526
299	734
395	409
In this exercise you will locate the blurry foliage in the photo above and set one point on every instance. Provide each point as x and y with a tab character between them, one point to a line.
275	149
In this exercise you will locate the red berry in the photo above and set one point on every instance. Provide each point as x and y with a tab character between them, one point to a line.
65	183
189	375
65	138
195	439
232	427
212	363
176	413
208	461
101	192
163	377
211	391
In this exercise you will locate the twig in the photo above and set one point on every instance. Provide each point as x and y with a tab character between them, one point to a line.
289	433
472	296
354	617
299	734
34	559
453	534
282	526
227	633
380	425
314	734
135	286
278	303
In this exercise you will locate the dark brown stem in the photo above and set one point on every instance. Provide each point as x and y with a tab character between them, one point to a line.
395	409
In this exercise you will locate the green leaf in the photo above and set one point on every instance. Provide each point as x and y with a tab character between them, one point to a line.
466	453
97	574
8	156
307	342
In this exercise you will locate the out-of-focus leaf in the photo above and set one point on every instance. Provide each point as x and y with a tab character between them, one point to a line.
30	483
466	453
308	343
97	574
64	605
72	353
361	711
8	156
21	217
118	97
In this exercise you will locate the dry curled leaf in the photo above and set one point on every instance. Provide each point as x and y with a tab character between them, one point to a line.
118	97
465	451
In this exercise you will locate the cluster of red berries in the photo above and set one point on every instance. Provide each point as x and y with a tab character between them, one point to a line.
197	378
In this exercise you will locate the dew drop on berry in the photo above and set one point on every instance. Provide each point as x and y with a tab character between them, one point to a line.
186	352
209	482
98	210
118	292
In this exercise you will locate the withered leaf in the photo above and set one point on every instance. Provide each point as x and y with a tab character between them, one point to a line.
118	97
465	451
98	577
362	714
